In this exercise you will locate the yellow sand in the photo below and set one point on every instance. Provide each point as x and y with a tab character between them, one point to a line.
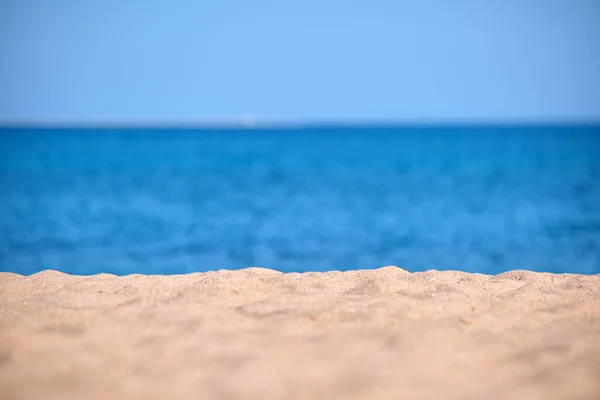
261	334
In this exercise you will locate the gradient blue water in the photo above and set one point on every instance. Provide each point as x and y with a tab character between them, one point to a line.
158	201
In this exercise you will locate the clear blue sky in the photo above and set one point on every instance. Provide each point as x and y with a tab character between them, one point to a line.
300	60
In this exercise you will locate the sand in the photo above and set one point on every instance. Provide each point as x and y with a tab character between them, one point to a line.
261	334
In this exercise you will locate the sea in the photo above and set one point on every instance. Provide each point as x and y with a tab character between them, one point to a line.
483	199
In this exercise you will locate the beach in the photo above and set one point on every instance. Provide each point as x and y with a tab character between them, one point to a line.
261	334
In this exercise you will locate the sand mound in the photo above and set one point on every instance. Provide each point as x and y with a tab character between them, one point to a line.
261	334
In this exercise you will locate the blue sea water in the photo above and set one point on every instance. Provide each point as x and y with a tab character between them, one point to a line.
477	199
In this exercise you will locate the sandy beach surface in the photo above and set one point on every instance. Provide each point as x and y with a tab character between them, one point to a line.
261	334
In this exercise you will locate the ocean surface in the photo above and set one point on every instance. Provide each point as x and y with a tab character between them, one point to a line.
476	199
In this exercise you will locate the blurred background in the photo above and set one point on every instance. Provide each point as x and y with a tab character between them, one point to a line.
171	137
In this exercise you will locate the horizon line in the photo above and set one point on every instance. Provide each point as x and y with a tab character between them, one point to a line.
251	122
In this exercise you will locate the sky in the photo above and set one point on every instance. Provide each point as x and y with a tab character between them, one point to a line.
308	60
